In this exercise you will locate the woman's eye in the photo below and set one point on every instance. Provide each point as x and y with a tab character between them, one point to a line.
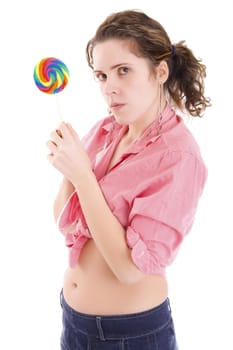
123	70
100	76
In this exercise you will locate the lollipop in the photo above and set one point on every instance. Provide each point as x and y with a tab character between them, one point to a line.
51	76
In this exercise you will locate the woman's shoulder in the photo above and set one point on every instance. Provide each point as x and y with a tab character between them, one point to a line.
180	138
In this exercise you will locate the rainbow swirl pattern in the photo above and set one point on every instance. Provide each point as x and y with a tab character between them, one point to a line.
51	75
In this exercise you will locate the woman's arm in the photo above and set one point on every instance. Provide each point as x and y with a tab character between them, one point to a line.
64	192
107	232
69	157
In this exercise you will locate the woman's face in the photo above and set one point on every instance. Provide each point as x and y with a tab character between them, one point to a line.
126	81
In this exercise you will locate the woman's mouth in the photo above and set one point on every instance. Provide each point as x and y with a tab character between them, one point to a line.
116	106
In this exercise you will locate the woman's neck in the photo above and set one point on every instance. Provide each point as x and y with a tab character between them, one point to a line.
136	130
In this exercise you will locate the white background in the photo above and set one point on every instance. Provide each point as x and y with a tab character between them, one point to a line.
32	252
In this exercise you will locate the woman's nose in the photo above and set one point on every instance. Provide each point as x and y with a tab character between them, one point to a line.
110	87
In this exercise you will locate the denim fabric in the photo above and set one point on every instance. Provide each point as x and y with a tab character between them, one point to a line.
148	330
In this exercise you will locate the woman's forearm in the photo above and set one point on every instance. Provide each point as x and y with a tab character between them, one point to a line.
106	231
64	192
70	158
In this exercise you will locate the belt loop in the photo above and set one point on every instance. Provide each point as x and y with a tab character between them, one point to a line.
100	329
169	305
61	295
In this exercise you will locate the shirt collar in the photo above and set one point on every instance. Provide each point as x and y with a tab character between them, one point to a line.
114	130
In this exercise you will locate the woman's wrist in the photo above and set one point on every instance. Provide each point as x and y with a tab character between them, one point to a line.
84	179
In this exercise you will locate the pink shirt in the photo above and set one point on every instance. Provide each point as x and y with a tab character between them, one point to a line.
153	190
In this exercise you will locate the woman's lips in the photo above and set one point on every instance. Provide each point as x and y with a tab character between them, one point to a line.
116	106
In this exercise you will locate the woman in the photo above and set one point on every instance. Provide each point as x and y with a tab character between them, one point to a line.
130	188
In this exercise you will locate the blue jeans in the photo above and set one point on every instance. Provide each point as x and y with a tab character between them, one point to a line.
148	330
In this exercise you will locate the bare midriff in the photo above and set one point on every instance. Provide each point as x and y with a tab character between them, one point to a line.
92	288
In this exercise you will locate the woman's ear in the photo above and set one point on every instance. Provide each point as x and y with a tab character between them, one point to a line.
162	72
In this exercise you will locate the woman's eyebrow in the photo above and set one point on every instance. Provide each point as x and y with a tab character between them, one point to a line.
113	67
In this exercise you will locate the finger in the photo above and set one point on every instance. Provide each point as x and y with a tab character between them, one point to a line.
59	129
52	146
50	158
71	130
59	133
56	138
64	130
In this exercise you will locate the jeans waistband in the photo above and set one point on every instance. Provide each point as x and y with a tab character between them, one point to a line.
118	326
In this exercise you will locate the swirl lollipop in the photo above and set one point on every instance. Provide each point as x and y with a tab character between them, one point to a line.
51	76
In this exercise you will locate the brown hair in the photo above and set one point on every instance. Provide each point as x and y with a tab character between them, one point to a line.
185	83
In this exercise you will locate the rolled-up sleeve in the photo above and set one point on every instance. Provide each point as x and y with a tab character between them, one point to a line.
163	211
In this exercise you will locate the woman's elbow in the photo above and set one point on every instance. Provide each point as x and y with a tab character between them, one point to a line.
131	276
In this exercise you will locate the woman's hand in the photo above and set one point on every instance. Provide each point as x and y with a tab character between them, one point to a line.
68	155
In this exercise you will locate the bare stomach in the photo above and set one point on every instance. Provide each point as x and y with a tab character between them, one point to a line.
92	288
